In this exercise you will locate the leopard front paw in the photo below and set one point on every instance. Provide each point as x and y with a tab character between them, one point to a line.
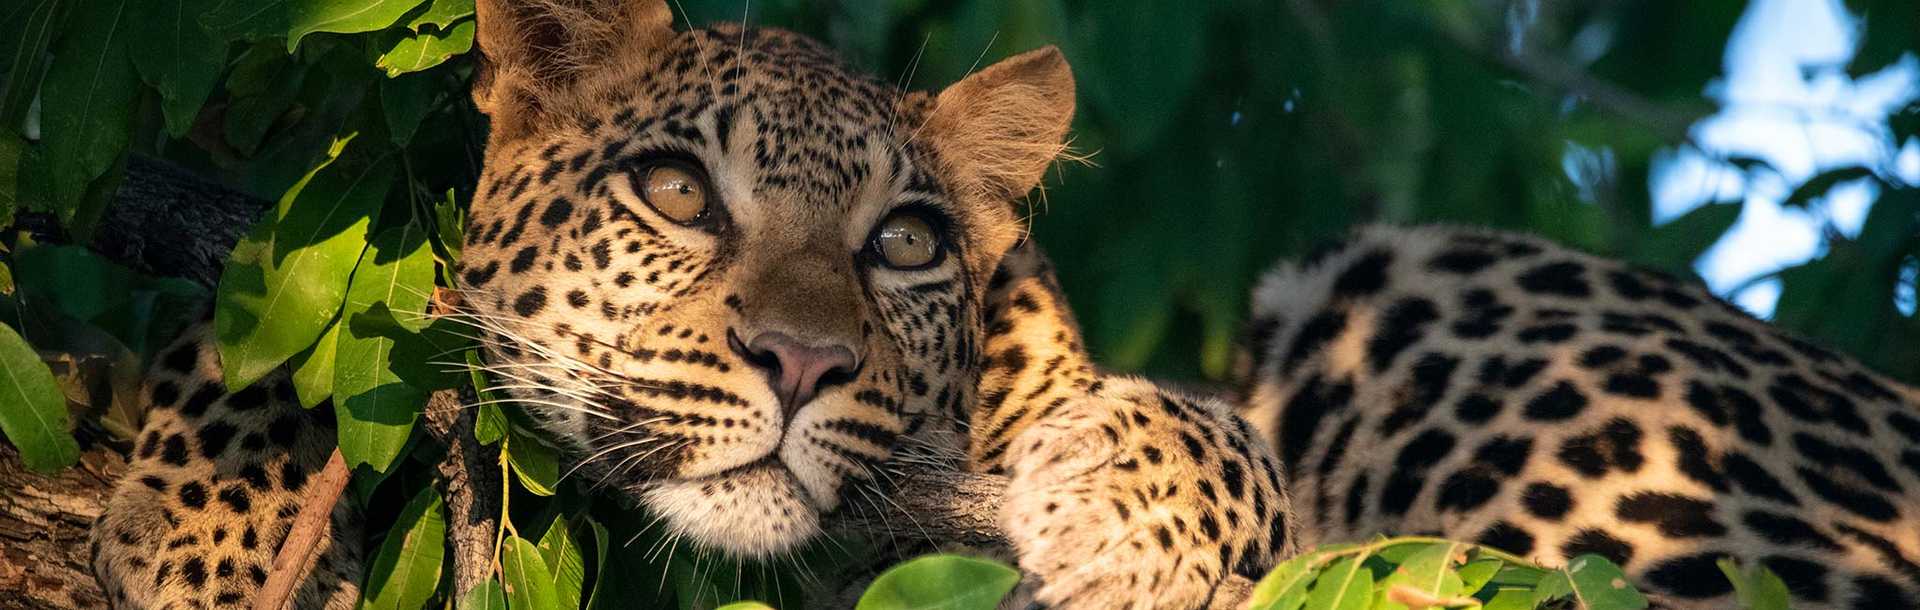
1140	499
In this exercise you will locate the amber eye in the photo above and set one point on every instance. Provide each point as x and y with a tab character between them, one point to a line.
907	241
675	189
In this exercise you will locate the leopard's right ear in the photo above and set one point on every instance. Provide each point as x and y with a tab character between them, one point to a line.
534	50
997	130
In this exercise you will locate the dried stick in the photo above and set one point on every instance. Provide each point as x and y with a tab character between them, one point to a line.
302	547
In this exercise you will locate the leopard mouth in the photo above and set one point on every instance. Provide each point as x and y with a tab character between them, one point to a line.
750	511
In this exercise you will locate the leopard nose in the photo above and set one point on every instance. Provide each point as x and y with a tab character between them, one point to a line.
797	370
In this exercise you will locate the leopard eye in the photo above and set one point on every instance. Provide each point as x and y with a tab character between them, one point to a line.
907	241
676	189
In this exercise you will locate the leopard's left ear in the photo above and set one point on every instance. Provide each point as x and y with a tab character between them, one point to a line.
997	130
534	50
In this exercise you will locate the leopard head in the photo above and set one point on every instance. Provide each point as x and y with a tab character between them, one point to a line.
730	276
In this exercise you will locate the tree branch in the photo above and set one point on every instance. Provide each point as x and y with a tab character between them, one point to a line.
301	550
1552	71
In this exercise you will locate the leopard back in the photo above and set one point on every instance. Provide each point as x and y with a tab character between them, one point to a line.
1503	389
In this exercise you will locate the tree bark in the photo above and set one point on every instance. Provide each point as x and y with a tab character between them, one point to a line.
43	530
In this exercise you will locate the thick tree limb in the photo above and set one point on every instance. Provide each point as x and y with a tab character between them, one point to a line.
167	222
471	494
43	530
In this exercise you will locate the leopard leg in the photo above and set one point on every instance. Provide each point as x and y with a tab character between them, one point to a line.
1123	493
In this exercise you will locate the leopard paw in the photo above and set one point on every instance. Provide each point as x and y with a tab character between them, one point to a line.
1139	498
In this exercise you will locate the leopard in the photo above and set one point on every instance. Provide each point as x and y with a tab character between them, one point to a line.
1499	388
734	280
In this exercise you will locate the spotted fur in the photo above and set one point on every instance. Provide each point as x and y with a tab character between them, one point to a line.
1123	493
1503	389
211	490
625	331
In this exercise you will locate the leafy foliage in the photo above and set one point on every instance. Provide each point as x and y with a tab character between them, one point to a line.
1414	572
1224	136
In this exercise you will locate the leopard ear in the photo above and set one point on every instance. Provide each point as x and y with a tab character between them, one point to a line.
533	49
997	130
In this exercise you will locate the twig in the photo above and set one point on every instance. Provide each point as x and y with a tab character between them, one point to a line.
1547	69
301	549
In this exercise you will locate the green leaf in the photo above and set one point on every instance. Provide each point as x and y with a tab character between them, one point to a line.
287	277
1345	585
29	29
248	19
1477	573
263	84
33	412
487	596
135	310
565	564
426	49
1757	588
1285	587
1818	186
1555	585
396	269
407	569
178	56
1892	30
87	102
490	425
1674	246
745	606
440	13
940	582
528	581
450	227
341	16
1428	570
1141	61
534	463
313	369
1601	585
599	562
1520	576
375	406
405	100
73	280
1510	599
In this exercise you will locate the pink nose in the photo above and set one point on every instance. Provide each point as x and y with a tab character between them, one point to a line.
797	370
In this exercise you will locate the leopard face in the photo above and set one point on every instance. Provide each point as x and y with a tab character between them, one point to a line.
727	274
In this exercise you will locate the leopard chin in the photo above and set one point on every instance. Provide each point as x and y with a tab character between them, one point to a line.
751	512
